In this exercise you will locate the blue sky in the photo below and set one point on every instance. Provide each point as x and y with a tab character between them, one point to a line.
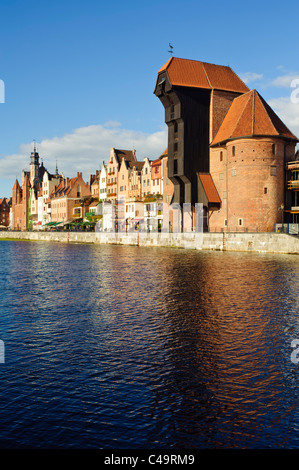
79	75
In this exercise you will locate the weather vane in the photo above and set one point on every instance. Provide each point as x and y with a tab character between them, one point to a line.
171	49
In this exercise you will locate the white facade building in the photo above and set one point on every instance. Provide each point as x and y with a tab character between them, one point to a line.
103	183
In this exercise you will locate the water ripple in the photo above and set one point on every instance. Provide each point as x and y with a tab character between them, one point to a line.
127	347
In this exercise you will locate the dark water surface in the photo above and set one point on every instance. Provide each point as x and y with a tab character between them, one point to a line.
119	347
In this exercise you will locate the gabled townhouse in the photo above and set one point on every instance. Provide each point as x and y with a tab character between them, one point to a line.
156	177
113	167
48	184
123	180
33	209
67	199
40	209
135	175
103	183
95	184
146	178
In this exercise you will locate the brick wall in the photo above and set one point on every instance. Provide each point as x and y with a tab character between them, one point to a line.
250	183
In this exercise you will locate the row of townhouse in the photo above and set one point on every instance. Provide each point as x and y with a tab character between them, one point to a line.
44	199
126	178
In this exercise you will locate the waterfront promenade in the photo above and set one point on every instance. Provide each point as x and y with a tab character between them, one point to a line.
242	242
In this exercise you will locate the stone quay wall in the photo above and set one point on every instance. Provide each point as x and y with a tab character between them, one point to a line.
243	242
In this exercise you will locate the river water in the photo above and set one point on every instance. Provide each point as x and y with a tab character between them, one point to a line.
115	347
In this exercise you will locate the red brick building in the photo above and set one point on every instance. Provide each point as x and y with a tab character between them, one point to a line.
227	149
247	164
20	204
67	198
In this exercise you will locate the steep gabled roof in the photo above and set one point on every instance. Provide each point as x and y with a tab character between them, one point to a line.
196	74
250	116
128	155
137	165
16	185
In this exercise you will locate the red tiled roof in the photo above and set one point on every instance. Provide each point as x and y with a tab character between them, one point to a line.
249	116
209	187
196	74
156	162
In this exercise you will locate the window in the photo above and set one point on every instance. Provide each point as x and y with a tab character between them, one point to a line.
240	222
172	112
265	190
175	166
273	171
221	176
175	147
234	150
273	149
221	156
234	172
175	127
225	222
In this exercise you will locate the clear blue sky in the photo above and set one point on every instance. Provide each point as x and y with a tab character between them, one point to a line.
71	64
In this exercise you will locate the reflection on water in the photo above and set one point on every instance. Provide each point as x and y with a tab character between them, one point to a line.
129	347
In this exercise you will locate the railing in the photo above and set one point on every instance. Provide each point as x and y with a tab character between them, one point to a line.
293	184
293	165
